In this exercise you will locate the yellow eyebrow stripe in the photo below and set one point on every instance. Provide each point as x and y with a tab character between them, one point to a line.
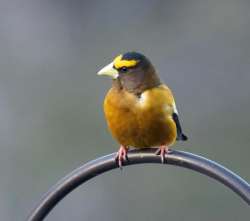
118	62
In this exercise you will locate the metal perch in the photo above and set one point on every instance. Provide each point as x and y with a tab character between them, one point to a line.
106	163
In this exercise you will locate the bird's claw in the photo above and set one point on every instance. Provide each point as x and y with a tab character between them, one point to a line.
121	155
162	150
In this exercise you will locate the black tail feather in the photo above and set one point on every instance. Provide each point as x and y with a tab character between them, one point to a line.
182	137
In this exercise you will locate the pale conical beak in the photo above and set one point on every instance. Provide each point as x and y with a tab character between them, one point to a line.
109	70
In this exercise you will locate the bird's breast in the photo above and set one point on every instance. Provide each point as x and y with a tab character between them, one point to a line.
143	121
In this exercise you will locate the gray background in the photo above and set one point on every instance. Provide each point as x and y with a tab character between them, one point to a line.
51	104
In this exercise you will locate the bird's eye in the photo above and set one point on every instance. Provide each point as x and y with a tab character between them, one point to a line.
124	69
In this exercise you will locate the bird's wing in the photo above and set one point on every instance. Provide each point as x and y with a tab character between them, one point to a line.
169	100
180	135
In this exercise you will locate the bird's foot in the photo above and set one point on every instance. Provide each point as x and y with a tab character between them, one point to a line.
162	150
121	155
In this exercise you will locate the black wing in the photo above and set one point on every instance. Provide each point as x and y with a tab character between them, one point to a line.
180	135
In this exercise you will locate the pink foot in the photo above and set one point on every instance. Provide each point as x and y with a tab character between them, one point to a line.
121	155
162	150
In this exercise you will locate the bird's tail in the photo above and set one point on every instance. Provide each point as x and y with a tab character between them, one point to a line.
182	137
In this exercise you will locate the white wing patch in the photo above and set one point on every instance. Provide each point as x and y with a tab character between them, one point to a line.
143	99
175	108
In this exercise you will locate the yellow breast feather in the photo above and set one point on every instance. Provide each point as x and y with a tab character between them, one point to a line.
141	122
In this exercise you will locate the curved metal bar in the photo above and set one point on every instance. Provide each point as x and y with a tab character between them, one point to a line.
106	163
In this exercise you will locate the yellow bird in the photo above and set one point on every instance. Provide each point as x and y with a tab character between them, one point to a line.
140	110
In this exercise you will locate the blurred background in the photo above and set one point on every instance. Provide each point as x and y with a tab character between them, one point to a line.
51	104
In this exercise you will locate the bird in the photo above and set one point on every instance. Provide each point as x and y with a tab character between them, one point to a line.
139	108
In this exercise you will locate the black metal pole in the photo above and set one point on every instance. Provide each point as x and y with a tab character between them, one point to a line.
106	163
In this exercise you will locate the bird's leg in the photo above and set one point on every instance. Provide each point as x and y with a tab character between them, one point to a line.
162	150
122	155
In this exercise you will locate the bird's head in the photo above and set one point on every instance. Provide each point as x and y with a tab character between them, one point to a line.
132	71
